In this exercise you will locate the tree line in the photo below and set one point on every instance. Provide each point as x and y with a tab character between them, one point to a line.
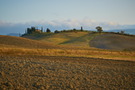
36	30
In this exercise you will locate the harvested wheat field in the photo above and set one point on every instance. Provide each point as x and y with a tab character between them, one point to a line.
65	73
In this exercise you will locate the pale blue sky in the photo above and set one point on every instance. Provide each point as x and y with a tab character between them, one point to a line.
117	11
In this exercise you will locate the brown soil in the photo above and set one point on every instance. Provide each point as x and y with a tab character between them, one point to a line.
61	73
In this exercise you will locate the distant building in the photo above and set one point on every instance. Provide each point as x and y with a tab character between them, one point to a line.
33	30
38	31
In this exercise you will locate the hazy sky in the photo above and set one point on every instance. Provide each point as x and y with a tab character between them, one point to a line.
17	15
113	11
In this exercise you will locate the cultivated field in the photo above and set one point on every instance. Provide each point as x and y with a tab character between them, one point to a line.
65	73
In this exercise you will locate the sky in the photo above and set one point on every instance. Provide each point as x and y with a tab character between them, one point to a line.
111	14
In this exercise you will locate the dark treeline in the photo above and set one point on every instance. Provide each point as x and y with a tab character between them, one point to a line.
33	30
36	30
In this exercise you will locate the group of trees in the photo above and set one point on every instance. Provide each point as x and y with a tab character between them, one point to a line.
36	30
99	29
32	30
71	30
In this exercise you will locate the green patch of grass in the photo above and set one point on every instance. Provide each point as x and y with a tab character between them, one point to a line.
81	41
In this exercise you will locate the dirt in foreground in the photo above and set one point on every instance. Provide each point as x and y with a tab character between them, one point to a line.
60	73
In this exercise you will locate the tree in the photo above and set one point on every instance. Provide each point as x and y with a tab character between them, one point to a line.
99	29
56	31
48	30
29	31
81	28
33	29
122	32
74	30
41	29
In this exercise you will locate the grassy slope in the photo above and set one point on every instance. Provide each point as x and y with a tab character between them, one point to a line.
18	42
21	46
114	42
78	39
88	39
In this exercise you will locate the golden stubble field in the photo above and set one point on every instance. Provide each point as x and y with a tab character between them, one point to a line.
65	73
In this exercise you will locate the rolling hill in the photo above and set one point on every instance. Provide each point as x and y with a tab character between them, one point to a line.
66	61
114	42
19	42
74	44
77	39
128	31
110	40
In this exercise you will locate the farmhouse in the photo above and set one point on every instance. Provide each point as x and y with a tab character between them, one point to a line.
33	30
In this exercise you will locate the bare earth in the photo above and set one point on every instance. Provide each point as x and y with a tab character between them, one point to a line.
65	73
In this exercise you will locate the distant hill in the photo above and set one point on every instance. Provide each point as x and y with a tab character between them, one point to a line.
130	31
127	31
14	34
12	41
113	41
